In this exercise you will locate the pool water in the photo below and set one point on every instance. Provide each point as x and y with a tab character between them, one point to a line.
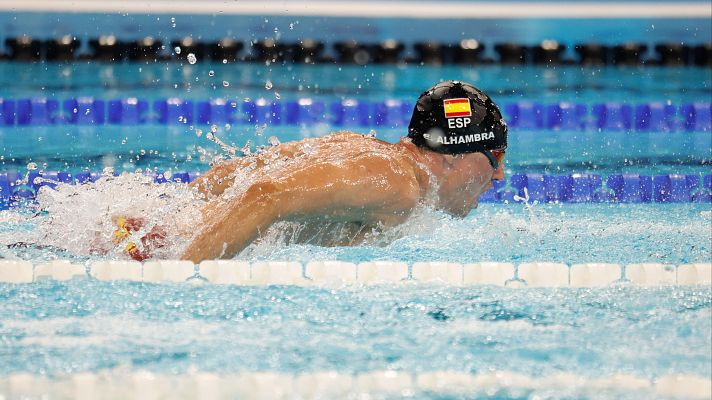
54	328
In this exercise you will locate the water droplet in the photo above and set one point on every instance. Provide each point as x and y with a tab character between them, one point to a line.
31	166
198	132
213	128
123	141
226	83
259	130
191	58
224	60
277	95
273	141
177	49
246	149
307	148
268	85
211	73
143	152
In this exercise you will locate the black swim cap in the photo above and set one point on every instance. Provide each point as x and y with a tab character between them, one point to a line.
455	117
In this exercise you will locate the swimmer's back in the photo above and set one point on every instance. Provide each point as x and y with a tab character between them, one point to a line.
335	147
366	179
361	156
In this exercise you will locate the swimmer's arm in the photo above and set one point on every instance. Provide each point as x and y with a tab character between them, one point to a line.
347	192
229	227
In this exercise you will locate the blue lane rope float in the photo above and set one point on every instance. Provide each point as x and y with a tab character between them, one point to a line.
541	188
524	115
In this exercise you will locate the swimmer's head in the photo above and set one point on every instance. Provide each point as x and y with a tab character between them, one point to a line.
455	117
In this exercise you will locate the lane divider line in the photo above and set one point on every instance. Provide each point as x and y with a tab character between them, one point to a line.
388	114
16	188
332	384
342	274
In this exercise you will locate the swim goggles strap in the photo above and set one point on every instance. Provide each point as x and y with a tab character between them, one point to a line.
492	159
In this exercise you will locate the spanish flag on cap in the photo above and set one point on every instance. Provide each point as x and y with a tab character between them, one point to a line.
457	108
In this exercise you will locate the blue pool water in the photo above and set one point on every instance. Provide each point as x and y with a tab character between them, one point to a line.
52	328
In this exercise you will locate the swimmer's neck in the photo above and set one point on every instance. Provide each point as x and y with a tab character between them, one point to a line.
435	163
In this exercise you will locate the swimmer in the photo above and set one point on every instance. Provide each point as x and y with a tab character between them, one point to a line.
454	150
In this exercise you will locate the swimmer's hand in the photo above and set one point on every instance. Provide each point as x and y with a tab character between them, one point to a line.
155	239
124	227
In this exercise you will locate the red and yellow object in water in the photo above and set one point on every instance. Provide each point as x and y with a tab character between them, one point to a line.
153	239
134	252
121	232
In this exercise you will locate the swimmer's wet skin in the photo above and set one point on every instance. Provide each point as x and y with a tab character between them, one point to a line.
454	149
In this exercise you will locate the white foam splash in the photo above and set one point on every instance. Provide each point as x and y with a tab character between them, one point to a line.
80	218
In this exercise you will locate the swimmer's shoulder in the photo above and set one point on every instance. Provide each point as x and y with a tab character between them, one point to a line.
345	136
369	146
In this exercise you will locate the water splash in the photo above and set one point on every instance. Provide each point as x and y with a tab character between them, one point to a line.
246	149
229	151
81	218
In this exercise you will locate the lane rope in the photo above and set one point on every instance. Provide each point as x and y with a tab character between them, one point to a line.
343	274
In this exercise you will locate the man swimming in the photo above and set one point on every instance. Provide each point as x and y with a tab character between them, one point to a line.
455	148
